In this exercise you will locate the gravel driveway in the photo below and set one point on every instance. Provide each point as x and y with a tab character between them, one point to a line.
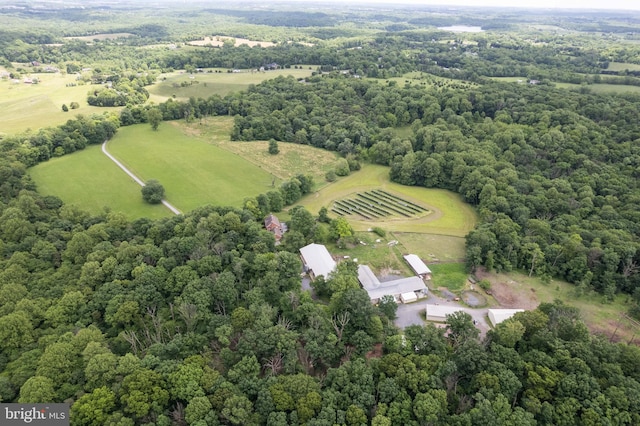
409	314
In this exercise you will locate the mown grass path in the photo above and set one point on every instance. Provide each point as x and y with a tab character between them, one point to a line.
134	177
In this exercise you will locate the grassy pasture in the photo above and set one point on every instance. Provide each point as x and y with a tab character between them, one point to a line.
39	105
206	84
450	215
622	66
432	247
89	180
194	173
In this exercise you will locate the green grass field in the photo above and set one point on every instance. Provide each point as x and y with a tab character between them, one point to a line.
449	214
193	172
89	180
223	83
34	106
622	66
450	275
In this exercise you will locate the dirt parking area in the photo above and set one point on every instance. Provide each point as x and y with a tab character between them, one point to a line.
510	294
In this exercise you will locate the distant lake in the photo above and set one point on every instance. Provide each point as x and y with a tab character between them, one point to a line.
462	29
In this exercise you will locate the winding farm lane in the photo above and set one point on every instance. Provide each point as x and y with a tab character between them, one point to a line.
134	177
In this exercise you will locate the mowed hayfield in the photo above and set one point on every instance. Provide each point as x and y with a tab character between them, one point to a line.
182	85
193	172
293	159
34	106
89	180
448	215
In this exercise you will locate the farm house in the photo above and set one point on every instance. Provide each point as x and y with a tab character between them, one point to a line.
317	260
405	290
438	313
496	316
418	266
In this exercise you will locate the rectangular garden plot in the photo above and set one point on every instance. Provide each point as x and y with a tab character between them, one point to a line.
377	204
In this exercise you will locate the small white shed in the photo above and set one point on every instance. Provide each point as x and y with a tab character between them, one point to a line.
408	297
496	316
438	313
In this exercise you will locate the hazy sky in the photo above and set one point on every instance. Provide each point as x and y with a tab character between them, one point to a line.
573	4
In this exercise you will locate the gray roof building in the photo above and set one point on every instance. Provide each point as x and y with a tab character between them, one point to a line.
395	288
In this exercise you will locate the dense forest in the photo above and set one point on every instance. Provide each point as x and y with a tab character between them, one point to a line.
200	318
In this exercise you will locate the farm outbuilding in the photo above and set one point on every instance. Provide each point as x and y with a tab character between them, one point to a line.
405	290
317	260
496	316
418	266
438	313
408	297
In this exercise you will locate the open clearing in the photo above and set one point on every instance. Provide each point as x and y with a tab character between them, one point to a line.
517	290
450	215
194	173
204	84
35	106
89	180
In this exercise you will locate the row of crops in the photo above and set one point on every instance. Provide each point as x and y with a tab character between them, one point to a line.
377	204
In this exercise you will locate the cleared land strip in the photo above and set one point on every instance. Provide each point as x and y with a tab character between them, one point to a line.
134	177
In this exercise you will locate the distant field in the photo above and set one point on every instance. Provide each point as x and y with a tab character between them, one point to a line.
511	79
218	41
205	84
194	173
39	105
602	88
89	180
424	79
450	215
104	36
622	66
